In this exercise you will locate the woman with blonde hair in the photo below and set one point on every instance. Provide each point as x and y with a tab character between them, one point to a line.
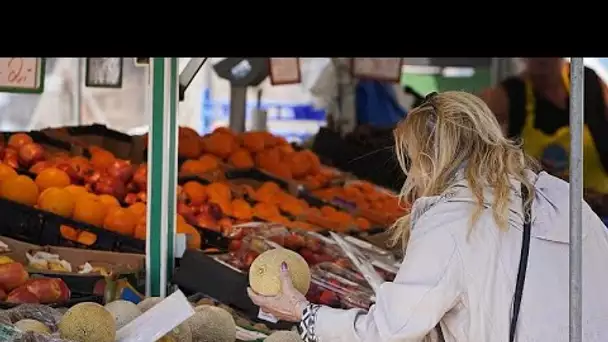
487	243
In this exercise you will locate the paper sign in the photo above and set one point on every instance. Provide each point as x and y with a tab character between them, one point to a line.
158	321
379	69
21	74
284	71
267	317
248	335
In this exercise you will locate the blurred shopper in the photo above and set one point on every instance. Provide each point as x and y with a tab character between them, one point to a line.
487	241
534	106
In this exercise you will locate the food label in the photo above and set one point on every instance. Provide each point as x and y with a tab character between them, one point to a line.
158	321
267	317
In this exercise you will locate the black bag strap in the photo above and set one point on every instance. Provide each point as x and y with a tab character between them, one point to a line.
523	261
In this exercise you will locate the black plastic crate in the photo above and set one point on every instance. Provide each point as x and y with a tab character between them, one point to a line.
75	298
42	228
378	165
98	129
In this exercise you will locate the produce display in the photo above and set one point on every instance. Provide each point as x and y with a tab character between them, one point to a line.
263	222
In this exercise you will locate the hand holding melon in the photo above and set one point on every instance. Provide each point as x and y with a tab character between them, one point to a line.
279	279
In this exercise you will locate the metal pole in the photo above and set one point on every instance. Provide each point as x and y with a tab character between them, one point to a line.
576	196
238	108
162	179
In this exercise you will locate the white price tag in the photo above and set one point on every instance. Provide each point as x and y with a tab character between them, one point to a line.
267	317
158	321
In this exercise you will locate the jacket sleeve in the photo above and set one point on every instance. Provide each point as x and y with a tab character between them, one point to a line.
427	286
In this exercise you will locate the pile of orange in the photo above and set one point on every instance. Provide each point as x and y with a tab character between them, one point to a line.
251	149
272	201
367	197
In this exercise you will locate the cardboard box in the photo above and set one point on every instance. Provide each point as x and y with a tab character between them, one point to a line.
117	263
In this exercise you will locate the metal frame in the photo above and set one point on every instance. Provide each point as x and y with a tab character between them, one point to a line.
577	91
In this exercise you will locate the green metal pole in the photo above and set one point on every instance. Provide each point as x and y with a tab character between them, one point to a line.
162	164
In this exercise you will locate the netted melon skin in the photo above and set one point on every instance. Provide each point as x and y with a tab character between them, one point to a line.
212	324
88	322
264	273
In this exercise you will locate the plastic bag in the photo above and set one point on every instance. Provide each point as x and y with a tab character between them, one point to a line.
41	313
36	337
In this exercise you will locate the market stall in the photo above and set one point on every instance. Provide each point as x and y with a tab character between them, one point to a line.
102	224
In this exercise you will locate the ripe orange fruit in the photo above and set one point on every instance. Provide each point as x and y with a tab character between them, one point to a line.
52	177
20	189
195	191
19	139
89	209
100	158
109	201
139	209
57	201
76	190
140	229
120	220
193	237
6	172
69	233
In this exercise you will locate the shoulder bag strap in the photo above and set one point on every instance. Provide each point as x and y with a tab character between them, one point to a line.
523	262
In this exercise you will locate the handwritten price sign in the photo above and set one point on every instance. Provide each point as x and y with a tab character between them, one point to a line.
380	69
21	74
284	70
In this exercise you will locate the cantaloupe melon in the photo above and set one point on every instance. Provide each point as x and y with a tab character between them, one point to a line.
148	303
181	333
265	270
123	312
88	322
32	325
283	336
212	324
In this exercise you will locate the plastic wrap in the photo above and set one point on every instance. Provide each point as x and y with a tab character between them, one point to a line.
36	337
342	289
41	313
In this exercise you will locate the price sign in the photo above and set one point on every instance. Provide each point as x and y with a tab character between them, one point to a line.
21	74
284	70
104	72
378	69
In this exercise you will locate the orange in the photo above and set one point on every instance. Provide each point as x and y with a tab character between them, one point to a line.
120	220
139	209
219	192
140	230
197	167
241	209
57	201
86	238
19	139
100	158
20	189
241	159
69	233
89	209
253	141
195	192
193	237
6	172
109	201
52	177
76	190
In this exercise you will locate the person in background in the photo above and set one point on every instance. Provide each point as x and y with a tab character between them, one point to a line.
534	106
478	209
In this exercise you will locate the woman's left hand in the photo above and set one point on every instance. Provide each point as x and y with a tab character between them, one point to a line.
288	305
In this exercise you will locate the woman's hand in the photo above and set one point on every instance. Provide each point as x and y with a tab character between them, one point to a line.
287	305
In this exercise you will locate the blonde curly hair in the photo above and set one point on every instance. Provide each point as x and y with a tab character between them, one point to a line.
450	131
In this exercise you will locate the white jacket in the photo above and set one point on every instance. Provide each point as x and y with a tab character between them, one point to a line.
465	278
